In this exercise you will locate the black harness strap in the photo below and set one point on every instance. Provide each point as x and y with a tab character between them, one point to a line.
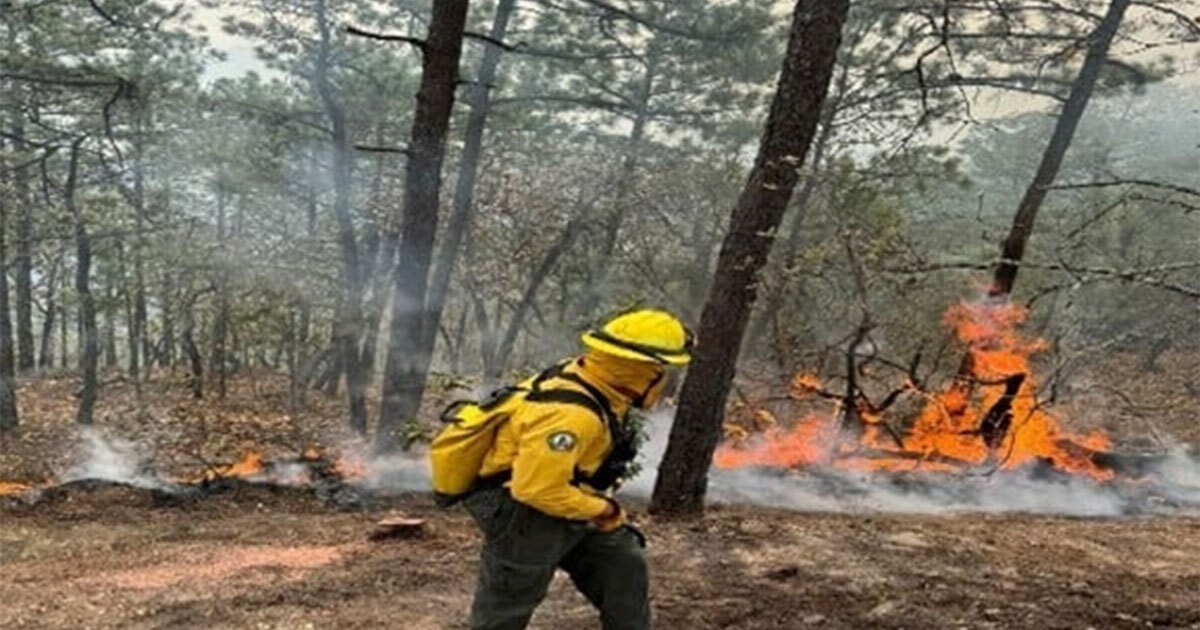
594	400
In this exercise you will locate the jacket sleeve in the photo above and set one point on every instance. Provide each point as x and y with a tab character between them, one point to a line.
550	447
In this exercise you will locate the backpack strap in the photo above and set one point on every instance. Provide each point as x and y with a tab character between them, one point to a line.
594	400
570	397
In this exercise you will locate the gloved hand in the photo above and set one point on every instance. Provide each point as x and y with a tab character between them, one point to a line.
611	519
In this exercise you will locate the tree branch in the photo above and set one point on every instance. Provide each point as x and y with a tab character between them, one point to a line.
493	41
1129	182
419	44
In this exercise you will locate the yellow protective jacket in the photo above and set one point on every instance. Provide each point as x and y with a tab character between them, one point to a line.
545	443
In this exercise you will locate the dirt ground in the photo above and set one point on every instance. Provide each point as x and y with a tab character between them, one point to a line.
278	558
273	558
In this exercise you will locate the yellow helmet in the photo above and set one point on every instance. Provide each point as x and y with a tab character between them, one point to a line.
643	335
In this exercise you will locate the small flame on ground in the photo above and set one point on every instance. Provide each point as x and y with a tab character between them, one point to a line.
351	466
14	487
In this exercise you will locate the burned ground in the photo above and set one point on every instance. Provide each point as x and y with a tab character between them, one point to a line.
276	558
106	556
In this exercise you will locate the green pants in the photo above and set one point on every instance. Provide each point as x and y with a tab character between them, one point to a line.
522	549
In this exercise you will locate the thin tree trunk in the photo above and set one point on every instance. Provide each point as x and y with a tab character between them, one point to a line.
24	284
62	332
612	226
407	367
46	351
110	327
536	279
792	122
348	323
219	360
21	202
304	332
87	307
460	335
8	382
381	254
140	342
195	359
166	351
380	288
1013	248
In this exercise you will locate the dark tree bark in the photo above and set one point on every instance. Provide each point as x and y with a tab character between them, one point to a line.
459	225
62	333
21	203
110	326
46	349
87	307
774	300
406	369
139	333
1012	250
195	359
8	387
166	350
219	360
792	122
24	234
349	320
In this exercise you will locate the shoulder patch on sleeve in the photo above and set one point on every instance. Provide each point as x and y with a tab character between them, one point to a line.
562	441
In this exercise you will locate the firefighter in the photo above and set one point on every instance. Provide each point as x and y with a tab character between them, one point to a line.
543	497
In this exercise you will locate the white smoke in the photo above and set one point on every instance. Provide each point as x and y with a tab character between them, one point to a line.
406	471
110	458
842	491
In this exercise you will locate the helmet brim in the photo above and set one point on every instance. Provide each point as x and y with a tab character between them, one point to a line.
612	349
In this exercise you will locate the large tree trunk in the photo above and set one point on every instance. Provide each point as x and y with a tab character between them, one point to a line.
406	367
348	322
792	122
8	386
1013	248
787	258
87	306
459	225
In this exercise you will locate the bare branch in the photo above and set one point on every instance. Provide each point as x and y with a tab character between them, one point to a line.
376	149
1129	182
419	44
493	41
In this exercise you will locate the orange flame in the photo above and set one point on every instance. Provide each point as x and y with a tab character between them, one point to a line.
14	487
948	434
351	466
